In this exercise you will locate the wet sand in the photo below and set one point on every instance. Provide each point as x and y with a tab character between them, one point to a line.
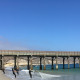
3	76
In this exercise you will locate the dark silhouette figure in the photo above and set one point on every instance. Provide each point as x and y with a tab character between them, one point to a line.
17	71
14	72
30	73
3	71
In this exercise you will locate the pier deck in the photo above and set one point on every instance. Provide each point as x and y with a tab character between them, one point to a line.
40	54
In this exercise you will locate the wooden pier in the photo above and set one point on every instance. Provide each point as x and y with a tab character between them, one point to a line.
40	54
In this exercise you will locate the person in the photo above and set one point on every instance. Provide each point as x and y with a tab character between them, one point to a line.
30	73
17	70
3	70
14	72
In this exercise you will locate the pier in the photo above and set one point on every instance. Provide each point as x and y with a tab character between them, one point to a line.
39	54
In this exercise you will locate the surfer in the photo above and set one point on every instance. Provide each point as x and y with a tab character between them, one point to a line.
30	73
3	71
17	71
14	72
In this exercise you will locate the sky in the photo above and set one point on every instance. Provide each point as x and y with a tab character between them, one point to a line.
47	25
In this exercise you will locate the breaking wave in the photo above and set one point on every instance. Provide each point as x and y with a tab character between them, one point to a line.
24	75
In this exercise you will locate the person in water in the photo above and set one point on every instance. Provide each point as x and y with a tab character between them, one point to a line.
3	70
14	72
30	73
17	71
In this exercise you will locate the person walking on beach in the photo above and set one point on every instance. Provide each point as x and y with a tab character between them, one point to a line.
14	72
30	73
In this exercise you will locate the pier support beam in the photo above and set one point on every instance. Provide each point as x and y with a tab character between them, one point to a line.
63	61
52	63
79	62
0	62
40	63
74	61
15	62
44	63
28	67
68	62
31	66
56	63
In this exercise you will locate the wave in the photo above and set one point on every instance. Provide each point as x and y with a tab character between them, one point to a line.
24	75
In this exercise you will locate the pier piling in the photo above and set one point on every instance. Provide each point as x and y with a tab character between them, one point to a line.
15	62
79	62
40	63
68	62
28	67
0	62
63	61
52	63
56	63
74	61
44	63
31	63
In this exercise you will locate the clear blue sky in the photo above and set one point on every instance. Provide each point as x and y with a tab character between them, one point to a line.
40	24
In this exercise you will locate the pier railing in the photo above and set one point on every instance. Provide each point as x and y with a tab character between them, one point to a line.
38	53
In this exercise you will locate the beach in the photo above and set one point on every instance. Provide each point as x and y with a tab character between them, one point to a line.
40	75
61	74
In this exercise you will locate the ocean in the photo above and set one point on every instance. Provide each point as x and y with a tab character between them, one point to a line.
60	74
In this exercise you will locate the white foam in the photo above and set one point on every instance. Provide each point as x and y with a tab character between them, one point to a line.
48	76
24	75
8	68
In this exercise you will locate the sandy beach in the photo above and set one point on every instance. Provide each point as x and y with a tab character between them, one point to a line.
3	76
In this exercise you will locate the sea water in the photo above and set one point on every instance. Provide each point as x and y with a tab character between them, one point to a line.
60	74
48	67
